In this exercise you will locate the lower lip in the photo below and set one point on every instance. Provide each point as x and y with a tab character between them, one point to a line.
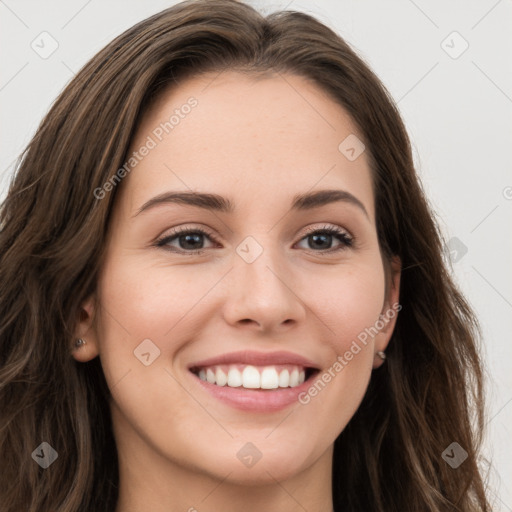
255	400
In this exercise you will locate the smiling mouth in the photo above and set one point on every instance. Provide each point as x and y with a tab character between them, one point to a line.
271	377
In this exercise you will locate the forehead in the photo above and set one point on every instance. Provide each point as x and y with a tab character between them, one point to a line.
253	140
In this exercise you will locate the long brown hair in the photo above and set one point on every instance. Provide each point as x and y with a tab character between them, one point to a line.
52	240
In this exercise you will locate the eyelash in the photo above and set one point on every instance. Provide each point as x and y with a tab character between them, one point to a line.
346	240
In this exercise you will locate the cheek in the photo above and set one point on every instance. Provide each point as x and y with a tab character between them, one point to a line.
349	303
149	300
138	305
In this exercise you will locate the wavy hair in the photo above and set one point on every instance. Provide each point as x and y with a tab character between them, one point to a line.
53	237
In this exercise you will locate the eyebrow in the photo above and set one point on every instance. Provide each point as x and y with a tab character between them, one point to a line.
215	202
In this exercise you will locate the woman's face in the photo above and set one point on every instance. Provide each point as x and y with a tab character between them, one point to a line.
265	296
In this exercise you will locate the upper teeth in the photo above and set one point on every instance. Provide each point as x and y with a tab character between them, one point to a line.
253	377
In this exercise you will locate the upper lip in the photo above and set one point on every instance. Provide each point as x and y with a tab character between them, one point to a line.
256	359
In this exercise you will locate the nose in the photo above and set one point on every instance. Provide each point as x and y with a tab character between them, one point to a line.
262	295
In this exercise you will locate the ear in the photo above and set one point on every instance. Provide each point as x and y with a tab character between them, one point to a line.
86	330
390	308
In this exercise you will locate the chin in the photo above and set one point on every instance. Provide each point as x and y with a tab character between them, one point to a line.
251	466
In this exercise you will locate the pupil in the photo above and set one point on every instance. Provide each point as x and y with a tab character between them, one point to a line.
190	239
316	237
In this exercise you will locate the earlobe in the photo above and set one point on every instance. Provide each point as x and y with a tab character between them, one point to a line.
85	343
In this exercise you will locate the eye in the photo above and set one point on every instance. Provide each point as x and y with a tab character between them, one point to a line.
190	240
321	239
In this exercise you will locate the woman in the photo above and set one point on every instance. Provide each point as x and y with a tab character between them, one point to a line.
222	286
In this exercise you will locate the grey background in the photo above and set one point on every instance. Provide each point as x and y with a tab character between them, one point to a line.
457	111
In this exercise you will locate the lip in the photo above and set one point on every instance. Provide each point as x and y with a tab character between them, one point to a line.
256	359
255	400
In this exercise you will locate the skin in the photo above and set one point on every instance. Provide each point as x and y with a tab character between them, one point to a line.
258	142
